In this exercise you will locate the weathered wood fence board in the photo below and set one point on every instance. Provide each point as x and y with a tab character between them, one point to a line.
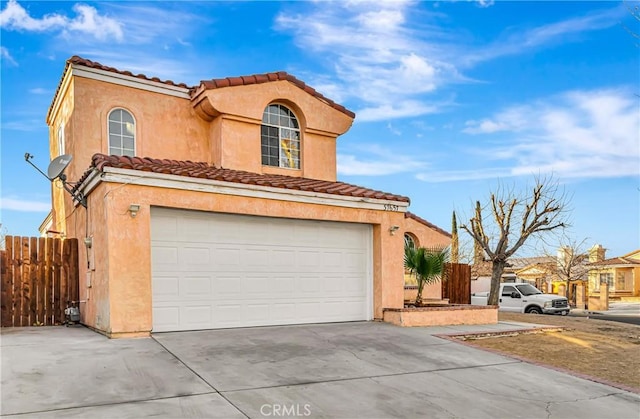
38	277
457	286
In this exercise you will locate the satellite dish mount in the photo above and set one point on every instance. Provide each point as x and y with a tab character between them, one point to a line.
56	171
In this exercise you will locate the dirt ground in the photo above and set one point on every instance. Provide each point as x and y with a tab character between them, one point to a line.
605	350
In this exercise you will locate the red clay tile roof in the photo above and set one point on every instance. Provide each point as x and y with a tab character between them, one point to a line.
269	77
616	261
207	84
206	171
93	64
427	223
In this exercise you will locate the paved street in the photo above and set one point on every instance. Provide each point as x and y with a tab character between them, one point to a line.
355	370
618	312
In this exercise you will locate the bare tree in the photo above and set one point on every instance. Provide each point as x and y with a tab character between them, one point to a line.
455	245
570	263
516	219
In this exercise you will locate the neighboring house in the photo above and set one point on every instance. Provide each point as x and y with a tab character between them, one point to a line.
235	218
547	273
621	274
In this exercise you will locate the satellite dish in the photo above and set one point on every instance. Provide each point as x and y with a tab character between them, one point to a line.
57	165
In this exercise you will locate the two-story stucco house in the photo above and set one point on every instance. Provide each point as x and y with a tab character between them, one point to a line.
218	206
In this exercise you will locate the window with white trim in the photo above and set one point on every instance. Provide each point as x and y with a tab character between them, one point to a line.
61	139
607	278
122	133
280	137
409	241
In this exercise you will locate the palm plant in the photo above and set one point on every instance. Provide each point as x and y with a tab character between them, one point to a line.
428	265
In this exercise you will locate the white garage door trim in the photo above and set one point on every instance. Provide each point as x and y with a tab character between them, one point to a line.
215	270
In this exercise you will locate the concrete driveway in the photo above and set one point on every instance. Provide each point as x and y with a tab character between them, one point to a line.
352	370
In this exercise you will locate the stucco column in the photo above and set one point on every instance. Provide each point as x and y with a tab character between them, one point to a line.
388	265
129	266
604	297
580	300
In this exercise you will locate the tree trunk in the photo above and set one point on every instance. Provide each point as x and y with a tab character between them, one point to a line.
496	278
420	287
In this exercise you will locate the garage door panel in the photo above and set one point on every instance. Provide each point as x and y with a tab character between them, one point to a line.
218	270
196	316
166	318
226	257
164	255
197	286
194	230
166	287
164	227
195	256
228	286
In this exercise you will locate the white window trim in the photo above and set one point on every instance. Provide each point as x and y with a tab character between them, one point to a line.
135	129
61	140
298	130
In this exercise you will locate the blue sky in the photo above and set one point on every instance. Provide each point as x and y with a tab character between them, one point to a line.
452	99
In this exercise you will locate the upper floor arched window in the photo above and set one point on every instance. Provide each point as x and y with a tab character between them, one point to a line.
122	133
280	137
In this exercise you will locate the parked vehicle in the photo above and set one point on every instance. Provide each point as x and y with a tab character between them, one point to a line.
521	297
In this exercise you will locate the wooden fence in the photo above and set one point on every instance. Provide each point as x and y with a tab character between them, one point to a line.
38	276
457	286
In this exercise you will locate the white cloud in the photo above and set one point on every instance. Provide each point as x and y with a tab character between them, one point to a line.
378	56
39	91
576	134
396	110
24	125
143	23
6	56
484	3
87	21
395	57
373	160
512	119
19	204
393	130
519	40
458	175
90	22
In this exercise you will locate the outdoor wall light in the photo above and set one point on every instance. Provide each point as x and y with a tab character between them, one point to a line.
133	209
393	229
88	241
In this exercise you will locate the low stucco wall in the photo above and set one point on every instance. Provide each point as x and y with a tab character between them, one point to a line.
431	291
450	315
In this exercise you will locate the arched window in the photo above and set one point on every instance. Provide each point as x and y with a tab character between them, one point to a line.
122	133
409	241
280	137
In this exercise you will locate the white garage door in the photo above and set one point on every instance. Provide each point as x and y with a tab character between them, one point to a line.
213	270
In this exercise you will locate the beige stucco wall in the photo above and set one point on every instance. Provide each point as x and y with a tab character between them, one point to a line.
238	111
169	127
442	316
119	300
